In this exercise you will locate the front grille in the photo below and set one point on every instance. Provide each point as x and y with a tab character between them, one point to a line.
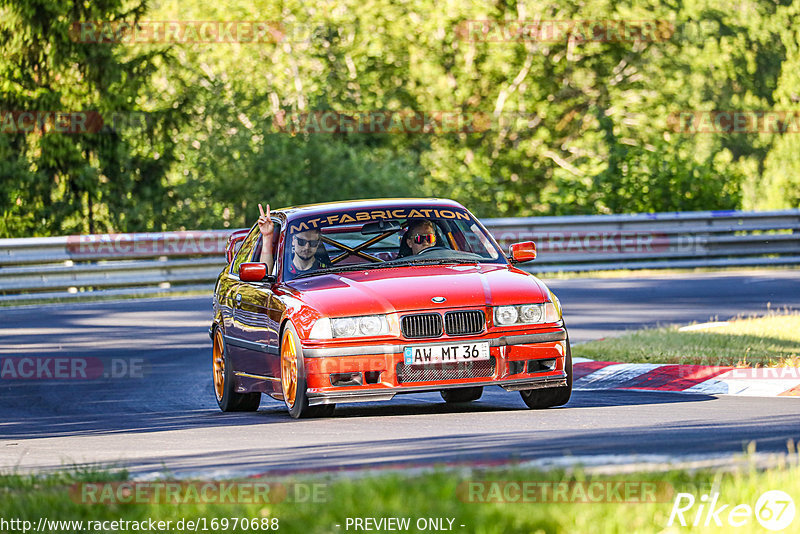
445	371
422	325
461	323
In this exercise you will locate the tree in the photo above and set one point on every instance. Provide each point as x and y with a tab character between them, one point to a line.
83	180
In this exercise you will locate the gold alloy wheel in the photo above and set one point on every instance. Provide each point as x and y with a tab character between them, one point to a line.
289	368
219	365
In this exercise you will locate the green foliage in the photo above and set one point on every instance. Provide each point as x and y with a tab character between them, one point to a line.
571	126
781	173
78	182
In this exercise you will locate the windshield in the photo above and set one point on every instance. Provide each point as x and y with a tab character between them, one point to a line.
386	238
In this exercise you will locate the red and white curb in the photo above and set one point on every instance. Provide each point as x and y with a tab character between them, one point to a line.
703	379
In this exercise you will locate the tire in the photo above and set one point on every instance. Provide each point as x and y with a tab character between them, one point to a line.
293	379
224	384
548	397
452	396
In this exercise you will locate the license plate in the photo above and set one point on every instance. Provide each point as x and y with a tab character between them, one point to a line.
432	354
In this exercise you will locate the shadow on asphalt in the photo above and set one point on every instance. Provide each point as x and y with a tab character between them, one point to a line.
74	422
699	438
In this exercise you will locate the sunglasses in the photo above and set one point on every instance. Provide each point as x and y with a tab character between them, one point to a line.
310	242
420	239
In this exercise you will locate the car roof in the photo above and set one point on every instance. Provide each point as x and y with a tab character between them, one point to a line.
294	212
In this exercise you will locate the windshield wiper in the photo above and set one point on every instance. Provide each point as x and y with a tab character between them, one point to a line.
388	264
343	268
437	261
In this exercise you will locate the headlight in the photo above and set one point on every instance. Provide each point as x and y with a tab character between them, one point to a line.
506	315
370	325
530	313
340	327
344	327
547	312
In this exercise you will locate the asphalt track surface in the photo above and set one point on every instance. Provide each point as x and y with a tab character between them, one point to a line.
166	420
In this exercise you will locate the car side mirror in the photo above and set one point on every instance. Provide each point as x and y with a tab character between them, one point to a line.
255	272
522	252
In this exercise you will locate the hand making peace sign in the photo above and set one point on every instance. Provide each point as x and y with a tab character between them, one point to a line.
265	224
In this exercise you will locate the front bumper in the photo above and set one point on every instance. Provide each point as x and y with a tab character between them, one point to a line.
511	358
385	394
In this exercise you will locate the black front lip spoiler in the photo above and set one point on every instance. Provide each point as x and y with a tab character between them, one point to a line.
369	395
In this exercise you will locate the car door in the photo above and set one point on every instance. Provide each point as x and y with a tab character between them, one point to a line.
254	332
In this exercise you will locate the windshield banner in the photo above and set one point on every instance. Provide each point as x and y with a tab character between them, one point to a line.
364	216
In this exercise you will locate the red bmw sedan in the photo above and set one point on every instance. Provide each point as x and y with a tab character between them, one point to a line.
374	298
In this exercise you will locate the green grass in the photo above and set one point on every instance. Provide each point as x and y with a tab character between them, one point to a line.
437	495
772	340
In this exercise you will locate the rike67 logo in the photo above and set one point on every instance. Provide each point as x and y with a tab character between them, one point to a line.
774	510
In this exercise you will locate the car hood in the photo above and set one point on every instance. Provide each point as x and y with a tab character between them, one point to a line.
412	288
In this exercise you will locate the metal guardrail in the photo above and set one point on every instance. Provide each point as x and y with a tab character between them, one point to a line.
656	240
149	263
75	267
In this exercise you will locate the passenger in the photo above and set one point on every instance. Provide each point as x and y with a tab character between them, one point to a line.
304	247
421	234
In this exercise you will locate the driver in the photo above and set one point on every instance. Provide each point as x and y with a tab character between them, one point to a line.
304	247
421	234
